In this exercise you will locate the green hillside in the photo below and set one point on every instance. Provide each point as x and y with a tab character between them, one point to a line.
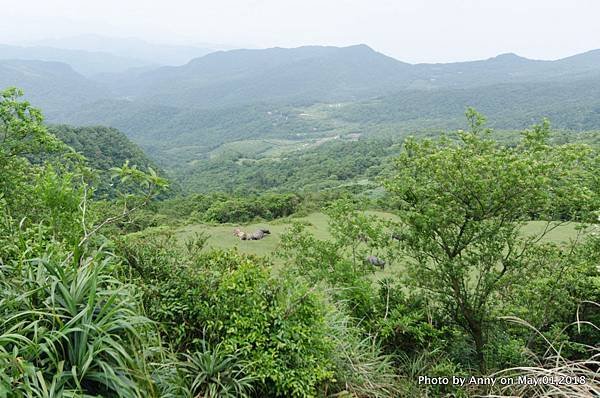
331	164
277	75
103	148
573	104
194	134
463	254
183	115
54	86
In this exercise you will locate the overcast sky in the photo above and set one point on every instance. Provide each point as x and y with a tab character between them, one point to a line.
410	30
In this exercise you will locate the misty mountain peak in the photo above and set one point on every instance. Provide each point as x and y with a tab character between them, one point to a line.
508	58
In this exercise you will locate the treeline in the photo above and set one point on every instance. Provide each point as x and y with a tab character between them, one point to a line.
221	207
327	166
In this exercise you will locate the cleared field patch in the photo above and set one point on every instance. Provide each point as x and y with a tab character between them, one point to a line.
221	236
558	233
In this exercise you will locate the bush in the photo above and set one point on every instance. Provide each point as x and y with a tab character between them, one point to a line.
212	373
221	208
275	325
71	329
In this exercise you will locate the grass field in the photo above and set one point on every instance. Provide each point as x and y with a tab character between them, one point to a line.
221	236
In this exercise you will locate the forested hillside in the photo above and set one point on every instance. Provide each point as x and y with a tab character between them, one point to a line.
307	75
103	148
329	165
572	104
52	85
477	259
181	115
302	75
300	199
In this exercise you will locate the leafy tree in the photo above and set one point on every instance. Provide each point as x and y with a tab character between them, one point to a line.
462	203
21	128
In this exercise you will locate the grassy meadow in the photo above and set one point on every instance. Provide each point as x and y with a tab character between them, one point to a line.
221	236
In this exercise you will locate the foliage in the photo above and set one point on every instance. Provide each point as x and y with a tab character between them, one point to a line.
67	326
362	370
87	309
214	374
461	206
556	374
275	325
21	127
71	329
103	149
329	165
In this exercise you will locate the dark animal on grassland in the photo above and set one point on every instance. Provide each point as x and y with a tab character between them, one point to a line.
376	261
256	235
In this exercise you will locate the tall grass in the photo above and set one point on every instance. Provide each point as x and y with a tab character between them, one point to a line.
361	368
554	375
71	329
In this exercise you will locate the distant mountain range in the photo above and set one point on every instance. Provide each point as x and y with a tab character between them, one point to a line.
276	75
87	63
227	95
53	86
328	74
149	53
92	55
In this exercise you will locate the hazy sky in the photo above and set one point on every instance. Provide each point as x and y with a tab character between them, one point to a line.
410	30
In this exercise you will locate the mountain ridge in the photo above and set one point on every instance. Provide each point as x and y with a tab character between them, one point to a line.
326	73
87	63
154	53
237	94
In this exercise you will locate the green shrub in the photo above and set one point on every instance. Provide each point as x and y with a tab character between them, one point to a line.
212	373
275	325
72	329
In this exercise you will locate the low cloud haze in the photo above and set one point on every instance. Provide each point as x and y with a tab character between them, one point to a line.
412	31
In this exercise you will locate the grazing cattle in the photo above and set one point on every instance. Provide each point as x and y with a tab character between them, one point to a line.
240	234
375	261
257	235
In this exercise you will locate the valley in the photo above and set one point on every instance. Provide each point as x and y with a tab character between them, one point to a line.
312	221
